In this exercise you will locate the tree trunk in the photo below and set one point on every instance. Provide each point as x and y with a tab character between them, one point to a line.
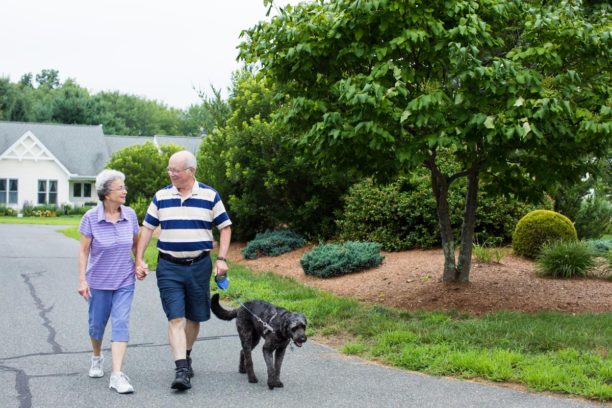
467	229
439	185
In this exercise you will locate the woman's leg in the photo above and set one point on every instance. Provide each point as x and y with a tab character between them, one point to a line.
120	317
118	349
99	312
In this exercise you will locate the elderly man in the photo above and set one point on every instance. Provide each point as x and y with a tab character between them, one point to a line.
186	211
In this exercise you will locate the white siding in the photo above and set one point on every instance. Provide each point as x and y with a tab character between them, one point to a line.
28	172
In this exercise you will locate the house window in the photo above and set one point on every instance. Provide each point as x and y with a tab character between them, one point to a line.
13	190
42	191
8	191
81	190
47	192
52	192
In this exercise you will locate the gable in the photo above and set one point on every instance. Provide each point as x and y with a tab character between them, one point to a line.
29	148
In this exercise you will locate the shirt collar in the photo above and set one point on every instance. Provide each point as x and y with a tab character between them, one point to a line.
100	212
194	190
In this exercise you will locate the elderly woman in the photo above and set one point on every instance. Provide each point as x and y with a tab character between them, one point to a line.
109	234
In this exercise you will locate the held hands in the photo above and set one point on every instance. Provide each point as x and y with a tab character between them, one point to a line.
142	270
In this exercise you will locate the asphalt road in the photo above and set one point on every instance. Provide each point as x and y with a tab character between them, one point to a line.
45	350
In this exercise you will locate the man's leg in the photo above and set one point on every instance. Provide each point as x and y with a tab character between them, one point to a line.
178	345
192	329
177	338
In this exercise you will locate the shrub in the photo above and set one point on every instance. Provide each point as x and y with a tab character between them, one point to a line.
402	215
537	228
329	260
601	246
565	259
594	218
7	211
273	243
40	211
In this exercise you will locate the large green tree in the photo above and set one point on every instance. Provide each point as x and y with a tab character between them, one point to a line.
518	92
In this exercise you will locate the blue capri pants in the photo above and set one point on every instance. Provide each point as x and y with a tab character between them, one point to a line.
115	304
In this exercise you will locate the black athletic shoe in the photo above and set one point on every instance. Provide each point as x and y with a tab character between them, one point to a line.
181	379
190	372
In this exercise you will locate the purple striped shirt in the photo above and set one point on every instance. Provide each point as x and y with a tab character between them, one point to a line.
110	264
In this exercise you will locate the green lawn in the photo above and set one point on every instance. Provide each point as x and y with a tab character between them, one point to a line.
546	351
63	220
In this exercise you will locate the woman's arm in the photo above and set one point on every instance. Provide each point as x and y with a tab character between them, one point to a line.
85	247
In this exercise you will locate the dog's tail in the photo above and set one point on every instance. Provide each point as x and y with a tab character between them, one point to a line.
219	311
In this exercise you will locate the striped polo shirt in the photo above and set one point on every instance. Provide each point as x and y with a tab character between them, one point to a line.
186	224
110	265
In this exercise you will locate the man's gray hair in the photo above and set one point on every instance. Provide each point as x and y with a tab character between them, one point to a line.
104	181
189	159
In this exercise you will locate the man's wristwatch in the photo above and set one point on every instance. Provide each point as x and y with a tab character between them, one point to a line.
220	258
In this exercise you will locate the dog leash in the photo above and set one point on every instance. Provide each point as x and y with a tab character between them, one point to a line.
266	325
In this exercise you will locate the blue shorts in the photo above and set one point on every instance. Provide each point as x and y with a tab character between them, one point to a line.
185	289
115	304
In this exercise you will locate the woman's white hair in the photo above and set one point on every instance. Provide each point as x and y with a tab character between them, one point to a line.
104	181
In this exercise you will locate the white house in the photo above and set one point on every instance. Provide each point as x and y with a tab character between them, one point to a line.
42	163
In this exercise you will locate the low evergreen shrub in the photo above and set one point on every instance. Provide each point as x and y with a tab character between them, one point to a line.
565	259
328	260
273	243
601	246
594	218
539	227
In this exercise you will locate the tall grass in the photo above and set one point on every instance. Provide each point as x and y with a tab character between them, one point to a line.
565	259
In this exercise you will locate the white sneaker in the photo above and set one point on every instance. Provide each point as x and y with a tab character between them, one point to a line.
96	371
121	383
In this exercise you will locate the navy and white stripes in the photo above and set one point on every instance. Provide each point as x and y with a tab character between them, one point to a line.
186	224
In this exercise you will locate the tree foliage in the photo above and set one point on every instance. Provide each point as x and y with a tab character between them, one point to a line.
512	89
49	100
265	181
144	167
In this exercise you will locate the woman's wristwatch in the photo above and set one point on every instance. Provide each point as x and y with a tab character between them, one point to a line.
220	258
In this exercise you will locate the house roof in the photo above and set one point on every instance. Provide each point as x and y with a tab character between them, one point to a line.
80	148
83	149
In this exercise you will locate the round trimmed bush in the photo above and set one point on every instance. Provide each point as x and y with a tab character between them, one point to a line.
539	227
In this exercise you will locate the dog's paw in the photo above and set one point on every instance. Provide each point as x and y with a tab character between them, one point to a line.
252	379
241	370
275	384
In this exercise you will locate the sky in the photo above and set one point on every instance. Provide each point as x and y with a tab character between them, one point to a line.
159	50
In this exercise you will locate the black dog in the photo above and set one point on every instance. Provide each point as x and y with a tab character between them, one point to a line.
276	325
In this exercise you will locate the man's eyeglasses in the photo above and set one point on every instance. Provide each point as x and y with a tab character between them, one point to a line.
175	171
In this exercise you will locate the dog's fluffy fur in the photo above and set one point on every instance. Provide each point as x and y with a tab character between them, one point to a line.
287	326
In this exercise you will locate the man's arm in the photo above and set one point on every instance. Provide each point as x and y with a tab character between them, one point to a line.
225	237
143	241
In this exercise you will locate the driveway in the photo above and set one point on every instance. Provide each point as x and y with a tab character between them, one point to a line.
44	354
